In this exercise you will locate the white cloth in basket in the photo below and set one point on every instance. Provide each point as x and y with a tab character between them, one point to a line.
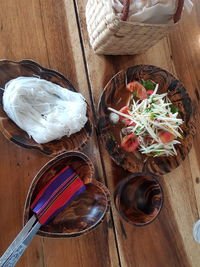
148	11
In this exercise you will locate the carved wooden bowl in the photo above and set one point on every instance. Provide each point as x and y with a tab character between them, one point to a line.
139	199
116	95
10	70
85	212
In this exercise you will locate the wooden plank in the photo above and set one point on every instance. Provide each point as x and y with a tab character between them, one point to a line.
168	241
46	31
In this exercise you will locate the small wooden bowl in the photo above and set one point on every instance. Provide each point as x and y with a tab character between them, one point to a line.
85	212
115	95
10	70
139	199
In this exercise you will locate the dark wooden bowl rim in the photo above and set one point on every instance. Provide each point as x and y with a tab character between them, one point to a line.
120	187
98	184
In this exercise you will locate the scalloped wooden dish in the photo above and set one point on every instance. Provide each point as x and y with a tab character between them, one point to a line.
10	70
86	212
116	96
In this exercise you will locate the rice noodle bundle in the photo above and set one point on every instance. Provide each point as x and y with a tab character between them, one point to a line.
46	111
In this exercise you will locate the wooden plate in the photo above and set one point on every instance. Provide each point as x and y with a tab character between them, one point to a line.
10	70
86	212
116	95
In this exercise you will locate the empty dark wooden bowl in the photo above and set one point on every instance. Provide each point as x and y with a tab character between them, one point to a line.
85	212
10	70
116	95
139	199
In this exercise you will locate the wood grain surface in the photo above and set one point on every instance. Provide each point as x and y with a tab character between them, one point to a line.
53	33
168	241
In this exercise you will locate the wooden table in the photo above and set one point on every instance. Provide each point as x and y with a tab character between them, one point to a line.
53	33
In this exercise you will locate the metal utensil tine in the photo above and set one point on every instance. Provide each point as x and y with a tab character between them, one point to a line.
17	253
19	238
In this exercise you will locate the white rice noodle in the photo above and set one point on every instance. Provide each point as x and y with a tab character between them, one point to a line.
46	111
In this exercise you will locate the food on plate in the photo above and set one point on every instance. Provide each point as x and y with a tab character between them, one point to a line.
130	142
45	110
151	123
114	117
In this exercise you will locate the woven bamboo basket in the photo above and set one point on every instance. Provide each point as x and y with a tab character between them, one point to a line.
110	34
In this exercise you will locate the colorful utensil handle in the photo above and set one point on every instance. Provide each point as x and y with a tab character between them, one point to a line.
57	194
16	255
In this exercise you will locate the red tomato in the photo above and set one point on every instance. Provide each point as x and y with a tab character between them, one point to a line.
129	143
133	86
125	110
166	137
126	121
142	93
150	92
138	88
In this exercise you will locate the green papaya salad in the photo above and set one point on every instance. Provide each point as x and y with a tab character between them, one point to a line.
151	123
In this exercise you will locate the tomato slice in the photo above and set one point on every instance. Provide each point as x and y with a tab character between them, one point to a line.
129	143
125	110
133	86
166	137
138	88
142	93
126	121
150	92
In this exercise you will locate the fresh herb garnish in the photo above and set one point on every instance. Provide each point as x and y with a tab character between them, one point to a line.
173	109
111	137
138	128
134	94
152	116
148	85
152	99
159	153
148	109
